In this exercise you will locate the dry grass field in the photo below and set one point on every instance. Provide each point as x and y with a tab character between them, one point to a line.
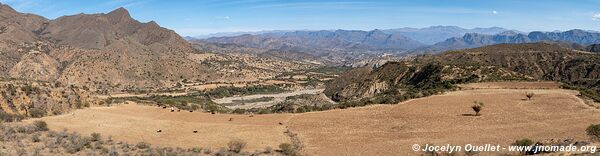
373	130
134	123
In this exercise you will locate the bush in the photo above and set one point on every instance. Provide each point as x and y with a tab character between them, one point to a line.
96	137
523	142
594	132
236	145
288	149
37	112
142	145
40	125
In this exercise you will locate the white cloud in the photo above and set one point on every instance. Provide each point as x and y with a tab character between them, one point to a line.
596	16
495	12
223	17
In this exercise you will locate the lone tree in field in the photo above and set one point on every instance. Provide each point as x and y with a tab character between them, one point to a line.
594	132
529	95
477	107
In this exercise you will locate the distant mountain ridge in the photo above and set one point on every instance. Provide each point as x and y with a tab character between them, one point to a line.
472	40
435	34
324	41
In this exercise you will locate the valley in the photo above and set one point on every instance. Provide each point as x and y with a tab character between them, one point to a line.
377	129
110	80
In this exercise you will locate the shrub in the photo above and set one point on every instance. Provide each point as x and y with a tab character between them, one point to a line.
594	132
36	137
40	125
477	107
523	142
37	112
288	149
142	145
236	145
96	137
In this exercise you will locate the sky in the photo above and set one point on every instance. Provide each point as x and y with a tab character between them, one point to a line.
201	17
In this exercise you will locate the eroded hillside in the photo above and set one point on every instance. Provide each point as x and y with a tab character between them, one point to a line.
433	73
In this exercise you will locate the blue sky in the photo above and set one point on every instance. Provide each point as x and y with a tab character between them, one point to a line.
210	16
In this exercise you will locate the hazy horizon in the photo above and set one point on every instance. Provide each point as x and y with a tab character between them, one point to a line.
196	18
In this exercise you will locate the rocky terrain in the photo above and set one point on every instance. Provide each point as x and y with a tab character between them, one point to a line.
23	99
535	61
112	51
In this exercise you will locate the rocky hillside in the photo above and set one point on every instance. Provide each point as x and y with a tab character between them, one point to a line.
433	73
472	40
20	99
113	52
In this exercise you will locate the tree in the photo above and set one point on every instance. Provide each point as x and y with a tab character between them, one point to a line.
477	107
529	95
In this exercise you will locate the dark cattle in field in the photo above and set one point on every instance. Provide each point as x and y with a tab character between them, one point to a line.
158	131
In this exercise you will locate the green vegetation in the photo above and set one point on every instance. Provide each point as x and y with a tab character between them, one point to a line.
594	132
585	90
187	102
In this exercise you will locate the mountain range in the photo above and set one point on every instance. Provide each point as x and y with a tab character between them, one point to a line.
472	40
435	34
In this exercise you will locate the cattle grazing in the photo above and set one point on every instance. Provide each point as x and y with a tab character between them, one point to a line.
280	123
158	131
195	131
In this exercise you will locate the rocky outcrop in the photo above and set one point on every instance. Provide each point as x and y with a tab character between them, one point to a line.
36	66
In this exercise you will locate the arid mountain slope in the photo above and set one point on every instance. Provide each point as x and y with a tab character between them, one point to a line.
115	52
534	61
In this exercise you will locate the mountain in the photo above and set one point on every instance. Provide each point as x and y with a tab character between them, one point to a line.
435	34
472	40
114	52
231	34
428	74
322	42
